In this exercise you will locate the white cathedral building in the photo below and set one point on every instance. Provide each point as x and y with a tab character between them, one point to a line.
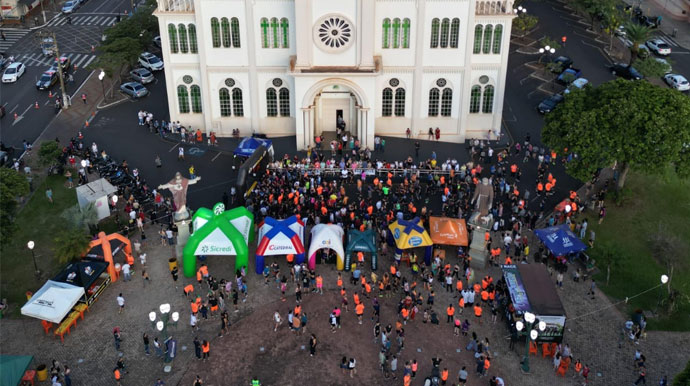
294	67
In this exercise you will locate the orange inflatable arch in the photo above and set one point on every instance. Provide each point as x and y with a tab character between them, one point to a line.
103	241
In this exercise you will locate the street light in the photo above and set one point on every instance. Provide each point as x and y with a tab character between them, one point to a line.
31	246
162	327
520	10
532	336
664	280
101	76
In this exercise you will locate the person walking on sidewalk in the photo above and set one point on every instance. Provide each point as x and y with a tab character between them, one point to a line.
158	161
83	97
180	153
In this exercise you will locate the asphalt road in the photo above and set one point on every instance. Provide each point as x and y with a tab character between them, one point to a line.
75	41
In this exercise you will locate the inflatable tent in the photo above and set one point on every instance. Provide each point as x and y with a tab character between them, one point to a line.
280	237
249	144
12	368
406	234
53	301
361	242
448	231
219	232
105	247
327	236
560	240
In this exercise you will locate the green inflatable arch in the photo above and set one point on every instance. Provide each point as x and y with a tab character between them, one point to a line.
219	232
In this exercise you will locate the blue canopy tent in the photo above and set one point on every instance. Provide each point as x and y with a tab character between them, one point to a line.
560	240
249	144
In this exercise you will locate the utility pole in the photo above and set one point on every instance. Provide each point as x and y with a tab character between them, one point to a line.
50	34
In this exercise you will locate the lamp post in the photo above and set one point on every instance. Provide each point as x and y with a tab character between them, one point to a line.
546	50
162	327
101	76
520	10
531	336
664	280
31	246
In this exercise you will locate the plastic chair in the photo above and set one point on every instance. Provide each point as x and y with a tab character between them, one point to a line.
533	348
545	350
29	376
47	326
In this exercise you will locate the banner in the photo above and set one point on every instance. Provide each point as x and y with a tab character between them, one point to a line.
555	327
517	291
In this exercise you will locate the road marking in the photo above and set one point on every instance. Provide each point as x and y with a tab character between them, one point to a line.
15	107
173	148
21	116
111	22
78	64
86	20
214	158
90	60
107	21
46	104
5	104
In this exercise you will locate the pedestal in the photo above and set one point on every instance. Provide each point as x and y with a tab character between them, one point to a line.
478	251
182	237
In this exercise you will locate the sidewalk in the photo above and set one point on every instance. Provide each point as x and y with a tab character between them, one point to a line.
34	18
671	21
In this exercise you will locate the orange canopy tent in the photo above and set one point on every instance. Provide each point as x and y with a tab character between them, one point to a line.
105	246
448	231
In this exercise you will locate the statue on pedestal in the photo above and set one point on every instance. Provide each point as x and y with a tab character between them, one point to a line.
178	188
484	198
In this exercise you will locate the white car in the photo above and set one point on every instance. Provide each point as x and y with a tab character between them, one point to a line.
13	72
667	65
659	47
150	61
677	81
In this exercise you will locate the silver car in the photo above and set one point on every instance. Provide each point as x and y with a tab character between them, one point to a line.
142	75
134	89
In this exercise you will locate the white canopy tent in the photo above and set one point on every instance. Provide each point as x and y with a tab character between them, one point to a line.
96	192
326	236
53	301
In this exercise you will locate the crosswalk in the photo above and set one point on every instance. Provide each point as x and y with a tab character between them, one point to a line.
11	37
92	20
665	38
39	60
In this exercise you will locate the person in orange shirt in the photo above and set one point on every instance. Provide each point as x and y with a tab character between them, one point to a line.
206	349
298	310
367	289
508	260
356	298
188	289
458	286
461	304
407	380
340	281
478	313
485	296
117	375
319	284
405	313
359	310
194	306
444	376
487	364
360	257
450	313
199	277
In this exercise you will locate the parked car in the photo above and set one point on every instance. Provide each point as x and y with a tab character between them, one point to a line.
3	61
64	64
677	81
47	46
579	83
620	31
665	62
649	21
150	61
642	51
142	75
659	47
625	71
134	89
70	6
561	63
157	41
48	79
569	75
13	72
550	103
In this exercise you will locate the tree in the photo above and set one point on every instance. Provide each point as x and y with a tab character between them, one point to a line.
525	23
611	21
12	186
85	218
651	67
596	9
606	255
49	152
683	378
637	34
70	244
634	124
548	41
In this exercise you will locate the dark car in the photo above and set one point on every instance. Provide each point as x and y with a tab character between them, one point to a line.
47	80
561	64
550	103
569	75
625	71
649	21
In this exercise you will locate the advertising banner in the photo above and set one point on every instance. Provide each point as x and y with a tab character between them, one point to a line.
517	290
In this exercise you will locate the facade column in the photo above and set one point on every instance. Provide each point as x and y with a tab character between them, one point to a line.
206	91
417	88
307	131
254	107
360	133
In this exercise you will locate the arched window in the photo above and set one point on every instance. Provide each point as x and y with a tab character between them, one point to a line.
480	8
184	47
488	102
498	35
446	102
225	27
387	98
265	35
271	102
478	29
274	33
488	34
396	33
406	33
235	23
285	32
434	95
386	33
172	36
193	45
237	104
400	102
224	98
475	97
183	99
445	30
435	25
215	32
284	97
195	92
454	33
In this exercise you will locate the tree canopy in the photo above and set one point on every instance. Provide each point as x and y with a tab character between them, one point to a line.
12	186
632	123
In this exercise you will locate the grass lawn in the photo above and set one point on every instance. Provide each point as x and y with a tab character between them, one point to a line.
654	200
39	221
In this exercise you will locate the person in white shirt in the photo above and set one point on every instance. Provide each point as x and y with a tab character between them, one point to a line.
126	272
277	320
120	303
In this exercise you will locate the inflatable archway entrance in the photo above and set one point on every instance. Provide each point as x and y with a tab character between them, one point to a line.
280	237
219	232
361	242
105	246
406	234
326	236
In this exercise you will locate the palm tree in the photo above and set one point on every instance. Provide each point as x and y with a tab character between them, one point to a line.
70	244
637	34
